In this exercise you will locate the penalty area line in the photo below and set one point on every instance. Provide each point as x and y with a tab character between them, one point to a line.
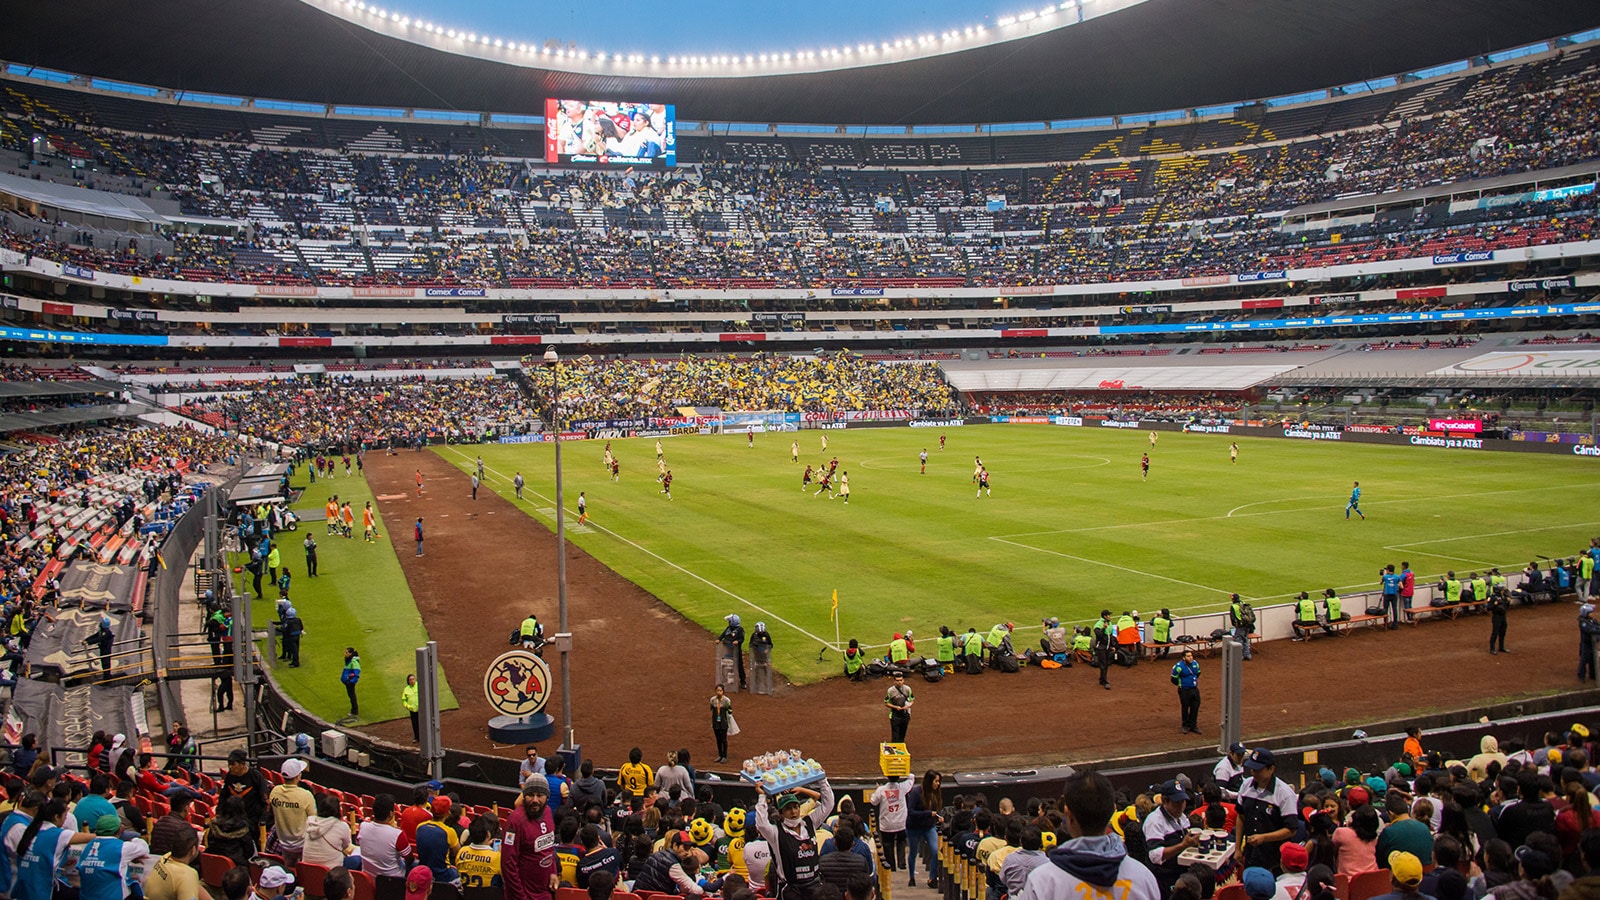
1098	562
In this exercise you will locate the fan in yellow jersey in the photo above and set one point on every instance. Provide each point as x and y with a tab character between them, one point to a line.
479	861
634	776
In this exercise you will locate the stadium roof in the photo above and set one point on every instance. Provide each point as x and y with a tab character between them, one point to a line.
1156	56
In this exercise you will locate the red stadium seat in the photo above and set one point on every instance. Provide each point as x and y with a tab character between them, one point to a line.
1369	884
213	867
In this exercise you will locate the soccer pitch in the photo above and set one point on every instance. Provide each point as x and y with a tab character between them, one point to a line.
1070	528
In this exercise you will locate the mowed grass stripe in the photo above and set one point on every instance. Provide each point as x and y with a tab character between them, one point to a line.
1081	530
359	598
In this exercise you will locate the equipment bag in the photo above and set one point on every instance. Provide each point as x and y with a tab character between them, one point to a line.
932	671
1005	662
876	668
1375	610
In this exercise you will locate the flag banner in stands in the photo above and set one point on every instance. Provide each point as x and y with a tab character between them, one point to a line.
609	133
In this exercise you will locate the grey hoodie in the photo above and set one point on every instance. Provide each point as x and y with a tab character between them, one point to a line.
1101	861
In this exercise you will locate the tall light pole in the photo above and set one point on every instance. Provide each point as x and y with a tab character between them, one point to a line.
565	640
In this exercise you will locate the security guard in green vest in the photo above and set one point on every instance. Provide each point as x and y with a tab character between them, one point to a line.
1161	631
531	631
1305	616
1480	587
1452	588
1496	581
1082	645
1332	605
972	646
854	660
897	650
944	649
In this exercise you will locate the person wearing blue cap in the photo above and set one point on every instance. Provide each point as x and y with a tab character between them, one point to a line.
1258	883
1229	773
1166	834
1267	811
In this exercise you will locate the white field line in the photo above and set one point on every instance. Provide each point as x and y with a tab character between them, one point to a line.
648	552
1279	512
1098	562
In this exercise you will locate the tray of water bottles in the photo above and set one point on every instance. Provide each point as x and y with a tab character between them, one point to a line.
781	770
1214	849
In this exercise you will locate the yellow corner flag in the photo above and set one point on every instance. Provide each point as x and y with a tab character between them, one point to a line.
833	613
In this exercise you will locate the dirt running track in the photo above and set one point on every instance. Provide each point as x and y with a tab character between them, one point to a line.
642	674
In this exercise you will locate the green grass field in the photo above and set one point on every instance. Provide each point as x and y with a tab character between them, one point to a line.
1070	527
359	599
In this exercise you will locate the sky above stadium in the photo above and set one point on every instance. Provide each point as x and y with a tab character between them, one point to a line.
708	26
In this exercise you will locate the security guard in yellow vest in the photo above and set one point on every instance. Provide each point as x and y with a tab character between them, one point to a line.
944	649
972	646
1452	588
1305	616
1161	630
1480	587
897	649
1332	605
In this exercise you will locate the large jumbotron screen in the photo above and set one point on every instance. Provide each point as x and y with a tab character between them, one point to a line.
610	133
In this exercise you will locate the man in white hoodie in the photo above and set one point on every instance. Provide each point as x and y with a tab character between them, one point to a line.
1093	864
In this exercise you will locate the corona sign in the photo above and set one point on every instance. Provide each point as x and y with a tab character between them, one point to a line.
517	684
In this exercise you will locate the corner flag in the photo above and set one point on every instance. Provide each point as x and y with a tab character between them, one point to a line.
833	614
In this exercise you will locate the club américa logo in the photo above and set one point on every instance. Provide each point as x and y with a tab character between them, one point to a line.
517	683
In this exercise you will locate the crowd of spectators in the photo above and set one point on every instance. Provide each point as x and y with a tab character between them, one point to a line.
348	412
371	218
1509	822
629	388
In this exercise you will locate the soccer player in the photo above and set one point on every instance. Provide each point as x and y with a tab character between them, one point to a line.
805	480
1144	468
349	516
941	441
750	436
824	442
1233	453
844	487
794	451
666	484
1152	439
583	508
983	483
419	482
605	463
977	467
480	467
659	454
368	522
924	458
616	470
661	468
1355	502
331	510
825	484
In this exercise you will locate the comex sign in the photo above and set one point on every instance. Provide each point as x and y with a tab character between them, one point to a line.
517	684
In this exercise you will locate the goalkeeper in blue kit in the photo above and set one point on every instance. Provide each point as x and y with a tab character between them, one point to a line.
1355	502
